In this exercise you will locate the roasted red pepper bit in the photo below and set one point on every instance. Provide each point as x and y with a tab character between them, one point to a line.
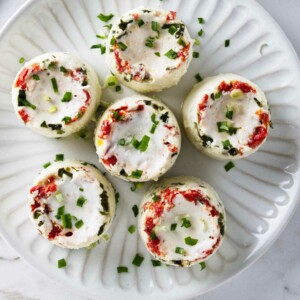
111	161
24	115
236	85
171	16
263	117
258	136
122	66
21	81
105	129
184	53
210	251
55	231
202	106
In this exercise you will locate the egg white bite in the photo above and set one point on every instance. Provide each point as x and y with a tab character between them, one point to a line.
138	139
181	221
226	116
56	94
149	49
71	204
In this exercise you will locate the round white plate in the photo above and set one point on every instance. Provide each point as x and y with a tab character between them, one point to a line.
260	193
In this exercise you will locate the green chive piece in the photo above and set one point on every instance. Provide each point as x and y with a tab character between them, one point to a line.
227	43
81	189
61	263
226	145
46	165
108	26
229	112
135	143
140	22
54	85
60	211
155	27
197	42
80	201
118	88
112	41
200	33
201	20
179	250
52	109
203	265
67	120
198	77
21	60
122	269
22	101
122	142
59	157
229	166
135	210
195	54
59	197
186	223
173	227
137	174
36	77
153	236
52	65
111	80
155	198
171	54
138	260
155	263
102	37
153	128
99	46
181	42
66	221
105	18
190	241
136	186
144	143
157	54
131	229
63	69
122	46
172	29
79	224
150	42
67	97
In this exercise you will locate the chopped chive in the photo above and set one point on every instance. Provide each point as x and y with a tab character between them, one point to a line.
195	54
229	112
227	43
172	29
226	144
186	223
136	186
102	37
22	101
112	41
150	42
105	18
200	33
137	174
122	142
61	263
54	85
140	22
153	236
198	77
155	263
81	189
111	80
153	128
181	42
131	229
59	197
52	109
157	54
135	143
179	250
66	221
171	54
122	46
138	260
135	210
155	27
66	119
52	65
229	166
173	227
122	269
203	265
46	165
59	157
118	88
79	224
80	201
197	42
67	97
21	60
190	241
63	69
144	143
36	77
108	26
201	20
60	211
258	102
99	46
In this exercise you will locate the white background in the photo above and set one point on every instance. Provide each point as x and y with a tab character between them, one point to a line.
276	276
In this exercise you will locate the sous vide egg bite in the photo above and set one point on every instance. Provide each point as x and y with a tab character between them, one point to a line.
149	49
226	116
138	139
71	204
181	221
56	94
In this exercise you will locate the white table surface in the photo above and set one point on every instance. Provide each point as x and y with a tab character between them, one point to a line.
276	276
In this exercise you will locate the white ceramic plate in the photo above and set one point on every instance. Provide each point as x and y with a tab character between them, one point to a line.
260	194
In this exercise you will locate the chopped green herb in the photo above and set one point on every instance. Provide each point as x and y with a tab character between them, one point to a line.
229	112
99	46
165	117
186	223
52	109
80	201
102	37
195	54
66	119
197	42
138	260
81	189
172	29
60	211
227	43
200	32
258	102
46	165
140	22
226	144
229	166
181	42
190	241
22	101
122	142
54	85
79	224
153	236
198	77
44	124
108	26
112	41
153	128
21	60
157	54
63	171
111	80
144	143
135	210
105	18
155	27
59	157
66	221
122	269
136	186
122	46
118	88
155	198
136	174
131	229
67	97
155	263
203	265
171	54
173	227
218	95
63	69
36	77
59	197
179	250
61	263
52	65
150	42
201	20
